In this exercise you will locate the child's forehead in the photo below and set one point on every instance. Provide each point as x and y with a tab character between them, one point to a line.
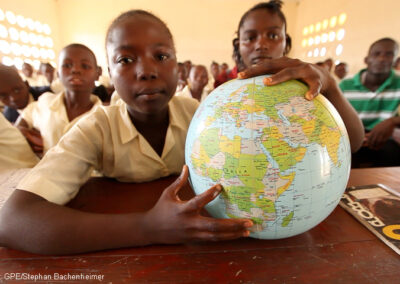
73	52
139	29
262	17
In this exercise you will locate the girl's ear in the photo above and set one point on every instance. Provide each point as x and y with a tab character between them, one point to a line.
236	53
288	45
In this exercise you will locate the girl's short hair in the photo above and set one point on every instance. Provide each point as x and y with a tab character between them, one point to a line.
134	13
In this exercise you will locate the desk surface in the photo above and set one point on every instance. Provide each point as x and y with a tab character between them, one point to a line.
339	250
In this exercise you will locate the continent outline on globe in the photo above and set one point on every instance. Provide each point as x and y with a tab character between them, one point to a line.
239	137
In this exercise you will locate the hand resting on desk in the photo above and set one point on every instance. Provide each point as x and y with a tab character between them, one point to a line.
30	223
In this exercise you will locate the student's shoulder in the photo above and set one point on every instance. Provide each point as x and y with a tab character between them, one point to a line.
348	84
184	104
49	97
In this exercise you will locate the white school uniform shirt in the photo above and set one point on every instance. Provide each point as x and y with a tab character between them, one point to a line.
107	141
186	93
49	115
15	151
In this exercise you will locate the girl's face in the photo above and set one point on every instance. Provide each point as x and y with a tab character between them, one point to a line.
142	64
262	36
78	70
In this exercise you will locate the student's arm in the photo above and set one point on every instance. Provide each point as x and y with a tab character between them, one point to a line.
30	223
377	137
318	80
32	135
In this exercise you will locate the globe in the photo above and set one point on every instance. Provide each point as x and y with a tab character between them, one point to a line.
283	161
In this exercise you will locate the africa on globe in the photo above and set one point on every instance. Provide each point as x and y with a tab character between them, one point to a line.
283	161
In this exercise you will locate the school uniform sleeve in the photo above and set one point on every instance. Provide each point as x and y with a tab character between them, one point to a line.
68	165
15	151
27	113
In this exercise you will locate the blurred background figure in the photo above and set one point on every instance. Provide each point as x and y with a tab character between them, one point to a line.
28	74
182	77
341	70
197	81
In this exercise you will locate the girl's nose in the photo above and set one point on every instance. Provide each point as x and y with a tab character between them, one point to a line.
146	70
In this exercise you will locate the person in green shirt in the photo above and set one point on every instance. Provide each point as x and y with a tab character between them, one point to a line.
374	92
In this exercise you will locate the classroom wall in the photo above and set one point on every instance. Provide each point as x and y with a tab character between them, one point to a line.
366	22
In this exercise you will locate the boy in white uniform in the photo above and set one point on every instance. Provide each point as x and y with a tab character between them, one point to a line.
53	115
15	152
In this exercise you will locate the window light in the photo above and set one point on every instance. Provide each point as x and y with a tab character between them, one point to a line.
3	31
21	21
14	34
11	17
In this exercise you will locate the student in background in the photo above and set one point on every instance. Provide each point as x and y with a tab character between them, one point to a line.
28	74
261	47
375	94
53	115
139	140
197	81
47	72
182	77
15	152
16	94
341	70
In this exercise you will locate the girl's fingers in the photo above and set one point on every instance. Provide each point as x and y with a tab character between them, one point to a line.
298	73
199	201
181	181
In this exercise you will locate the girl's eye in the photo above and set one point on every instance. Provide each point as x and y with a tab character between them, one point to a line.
249	38
66	65
86	66
273	36
162	57
16	90
124	60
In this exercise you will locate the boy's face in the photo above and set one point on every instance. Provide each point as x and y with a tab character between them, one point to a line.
381	57
14	92
142	64
261	37
48	72
78	69
214	70
27	70
198	77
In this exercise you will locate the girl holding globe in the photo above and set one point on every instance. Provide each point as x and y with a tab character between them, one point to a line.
261	46
140	140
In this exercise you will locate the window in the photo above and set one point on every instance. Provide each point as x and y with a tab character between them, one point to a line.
24	39
324	38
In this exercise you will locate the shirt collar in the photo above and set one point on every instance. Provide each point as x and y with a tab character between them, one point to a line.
388	81
128	130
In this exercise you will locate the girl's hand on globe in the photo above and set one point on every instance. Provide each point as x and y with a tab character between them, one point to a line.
172	220
284	69
319	80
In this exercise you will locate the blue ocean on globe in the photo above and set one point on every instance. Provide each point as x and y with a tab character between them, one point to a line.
283	161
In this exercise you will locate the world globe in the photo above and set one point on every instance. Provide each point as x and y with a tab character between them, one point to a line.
283	161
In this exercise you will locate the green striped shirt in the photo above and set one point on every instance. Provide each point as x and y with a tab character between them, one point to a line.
373	107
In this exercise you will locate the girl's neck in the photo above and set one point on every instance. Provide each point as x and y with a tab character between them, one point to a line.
76	104
153	127
77	100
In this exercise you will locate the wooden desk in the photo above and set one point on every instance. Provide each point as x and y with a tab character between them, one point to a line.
339	250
